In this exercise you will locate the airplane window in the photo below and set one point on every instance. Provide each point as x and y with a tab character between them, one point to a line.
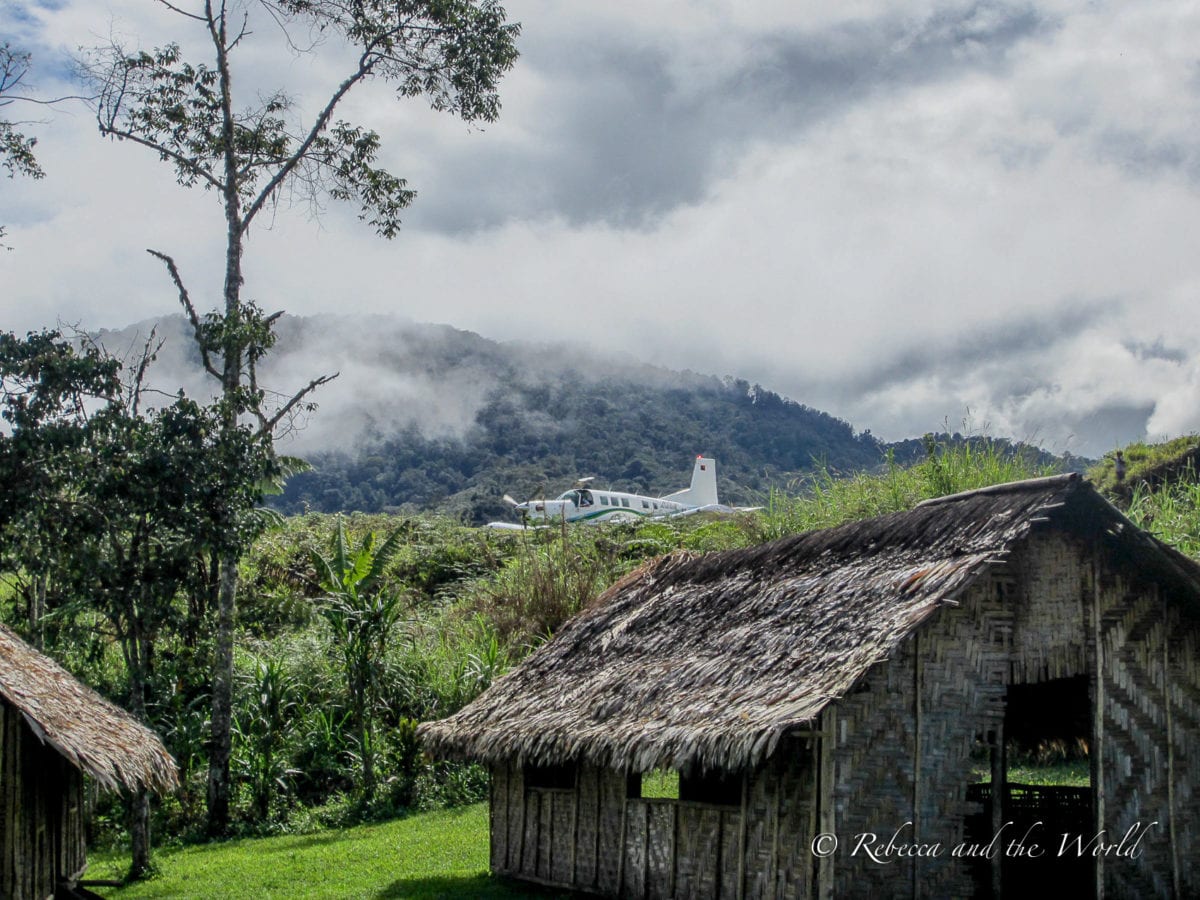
585	498
624	501
645	505
603	500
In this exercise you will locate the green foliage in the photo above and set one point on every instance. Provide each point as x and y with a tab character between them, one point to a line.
453	52
1171	512
948	467
554	574
16	149
1166	461
262	724
662	783
362	619
251	150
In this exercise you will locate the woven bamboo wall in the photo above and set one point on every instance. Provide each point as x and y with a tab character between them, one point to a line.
1029	622
962	661
596	839
1052	609
41	816
1151	692
928	703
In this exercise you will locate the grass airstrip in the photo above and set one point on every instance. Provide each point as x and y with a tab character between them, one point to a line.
427	855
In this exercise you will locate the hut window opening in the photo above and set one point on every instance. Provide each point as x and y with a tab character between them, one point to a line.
660	784
551	778
718	788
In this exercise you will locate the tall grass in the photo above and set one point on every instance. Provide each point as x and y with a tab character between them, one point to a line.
1142	460
1171	512
554	574
948	467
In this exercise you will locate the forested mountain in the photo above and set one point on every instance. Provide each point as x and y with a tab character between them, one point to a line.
532	439
432	417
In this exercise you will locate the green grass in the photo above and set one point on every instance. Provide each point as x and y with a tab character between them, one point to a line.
1066	773
663	783
828	500
437	854
1141	460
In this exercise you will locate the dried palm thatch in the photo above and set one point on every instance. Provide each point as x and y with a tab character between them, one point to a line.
96	737
708	661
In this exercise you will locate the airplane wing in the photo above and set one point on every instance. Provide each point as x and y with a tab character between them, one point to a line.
719	508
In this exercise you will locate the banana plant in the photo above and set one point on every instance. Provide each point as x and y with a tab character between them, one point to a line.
362	615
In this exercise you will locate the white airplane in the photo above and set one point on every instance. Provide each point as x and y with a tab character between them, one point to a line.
585	504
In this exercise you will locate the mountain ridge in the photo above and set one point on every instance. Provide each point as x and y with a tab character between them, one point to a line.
432	417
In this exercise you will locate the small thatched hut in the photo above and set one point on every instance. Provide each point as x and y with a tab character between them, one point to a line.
53	731
863	680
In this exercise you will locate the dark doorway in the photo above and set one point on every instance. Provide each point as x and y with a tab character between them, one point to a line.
1044	742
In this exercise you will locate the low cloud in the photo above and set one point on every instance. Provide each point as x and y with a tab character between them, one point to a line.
896	212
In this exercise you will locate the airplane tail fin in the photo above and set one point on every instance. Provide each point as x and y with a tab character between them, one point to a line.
703	491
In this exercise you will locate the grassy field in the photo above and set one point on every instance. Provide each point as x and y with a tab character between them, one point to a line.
429	855
438	854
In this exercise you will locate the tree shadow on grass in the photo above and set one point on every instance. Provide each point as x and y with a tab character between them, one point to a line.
301	842
468	887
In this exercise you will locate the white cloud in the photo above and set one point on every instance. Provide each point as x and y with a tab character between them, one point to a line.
993	233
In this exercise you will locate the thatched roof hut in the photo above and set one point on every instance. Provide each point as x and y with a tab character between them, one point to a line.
54	730
100	739
720	663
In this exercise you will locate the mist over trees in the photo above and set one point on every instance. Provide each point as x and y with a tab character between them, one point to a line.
430	417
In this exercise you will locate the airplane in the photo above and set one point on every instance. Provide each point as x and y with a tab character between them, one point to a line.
586	504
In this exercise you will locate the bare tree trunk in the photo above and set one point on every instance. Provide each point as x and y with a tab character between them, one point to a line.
37	611
221	742
219	788
138	661
139	834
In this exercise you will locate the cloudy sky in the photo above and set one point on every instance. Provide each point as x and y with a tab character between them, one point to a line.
903	213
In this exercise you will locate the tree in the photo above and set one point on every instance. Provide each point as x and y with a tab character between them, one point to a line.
48	392
16	149
115	503
253	152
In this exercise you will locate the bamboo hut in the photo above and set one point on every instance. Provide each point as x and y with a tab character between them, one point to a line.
53	731
838	705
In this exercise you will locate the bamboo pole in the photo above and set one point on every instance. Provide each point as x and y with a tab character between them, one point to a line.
494	814
825	867
621	840
524	795
571	877
1097	715
741	865
814	804
999	794
916	791
674	857
646	849
781	766
599	824
1166	663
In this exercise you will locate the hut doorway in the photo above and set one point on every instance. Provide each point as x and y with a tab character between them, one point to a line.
1040	789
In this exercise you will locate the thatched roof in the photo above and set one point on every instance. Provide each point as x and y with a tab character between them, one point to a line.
710	660
95	736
